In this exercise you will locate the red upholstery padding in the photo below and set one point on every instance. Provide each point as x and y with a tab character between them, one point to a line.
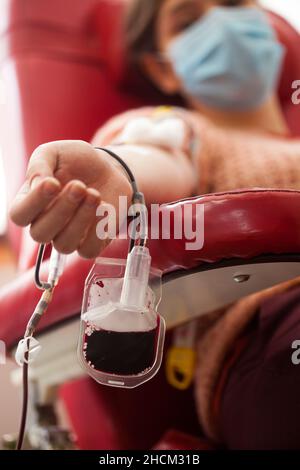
290	38
109	22
128	419
72	15
233	228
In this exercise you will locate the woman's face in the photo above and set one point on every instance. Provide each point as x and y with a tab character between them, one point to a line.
173	18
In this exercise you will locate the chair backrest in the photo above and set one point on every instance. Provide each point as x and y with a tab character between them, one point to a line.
54	81
63	73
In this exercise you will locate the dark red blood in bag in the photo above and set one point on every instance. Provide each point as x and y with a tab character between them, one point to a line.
121	353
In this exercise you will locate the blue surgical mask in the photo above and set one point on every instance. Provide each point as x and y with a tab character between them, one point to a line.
229	59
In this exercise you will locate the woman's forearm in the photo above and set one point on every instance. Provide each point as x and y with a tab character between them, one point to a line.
67	180
162	175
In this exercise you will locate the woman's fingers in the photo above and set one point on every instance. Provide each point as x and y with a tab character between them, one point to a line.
40	186
91	245
70	238
46	227
59	198
43	161
31	201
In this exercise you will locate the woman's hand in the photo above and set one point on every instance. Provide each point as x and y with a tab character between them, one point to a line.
65	183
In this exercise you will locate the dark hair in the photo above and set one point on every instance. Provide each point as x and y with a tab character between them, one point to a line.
140	23
140	26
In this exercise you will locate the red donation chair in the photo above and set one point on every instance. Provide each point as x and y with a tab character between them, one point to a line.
63	74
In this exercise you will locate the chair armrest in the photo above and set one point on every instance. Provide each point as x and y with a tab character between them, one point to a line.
239	227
